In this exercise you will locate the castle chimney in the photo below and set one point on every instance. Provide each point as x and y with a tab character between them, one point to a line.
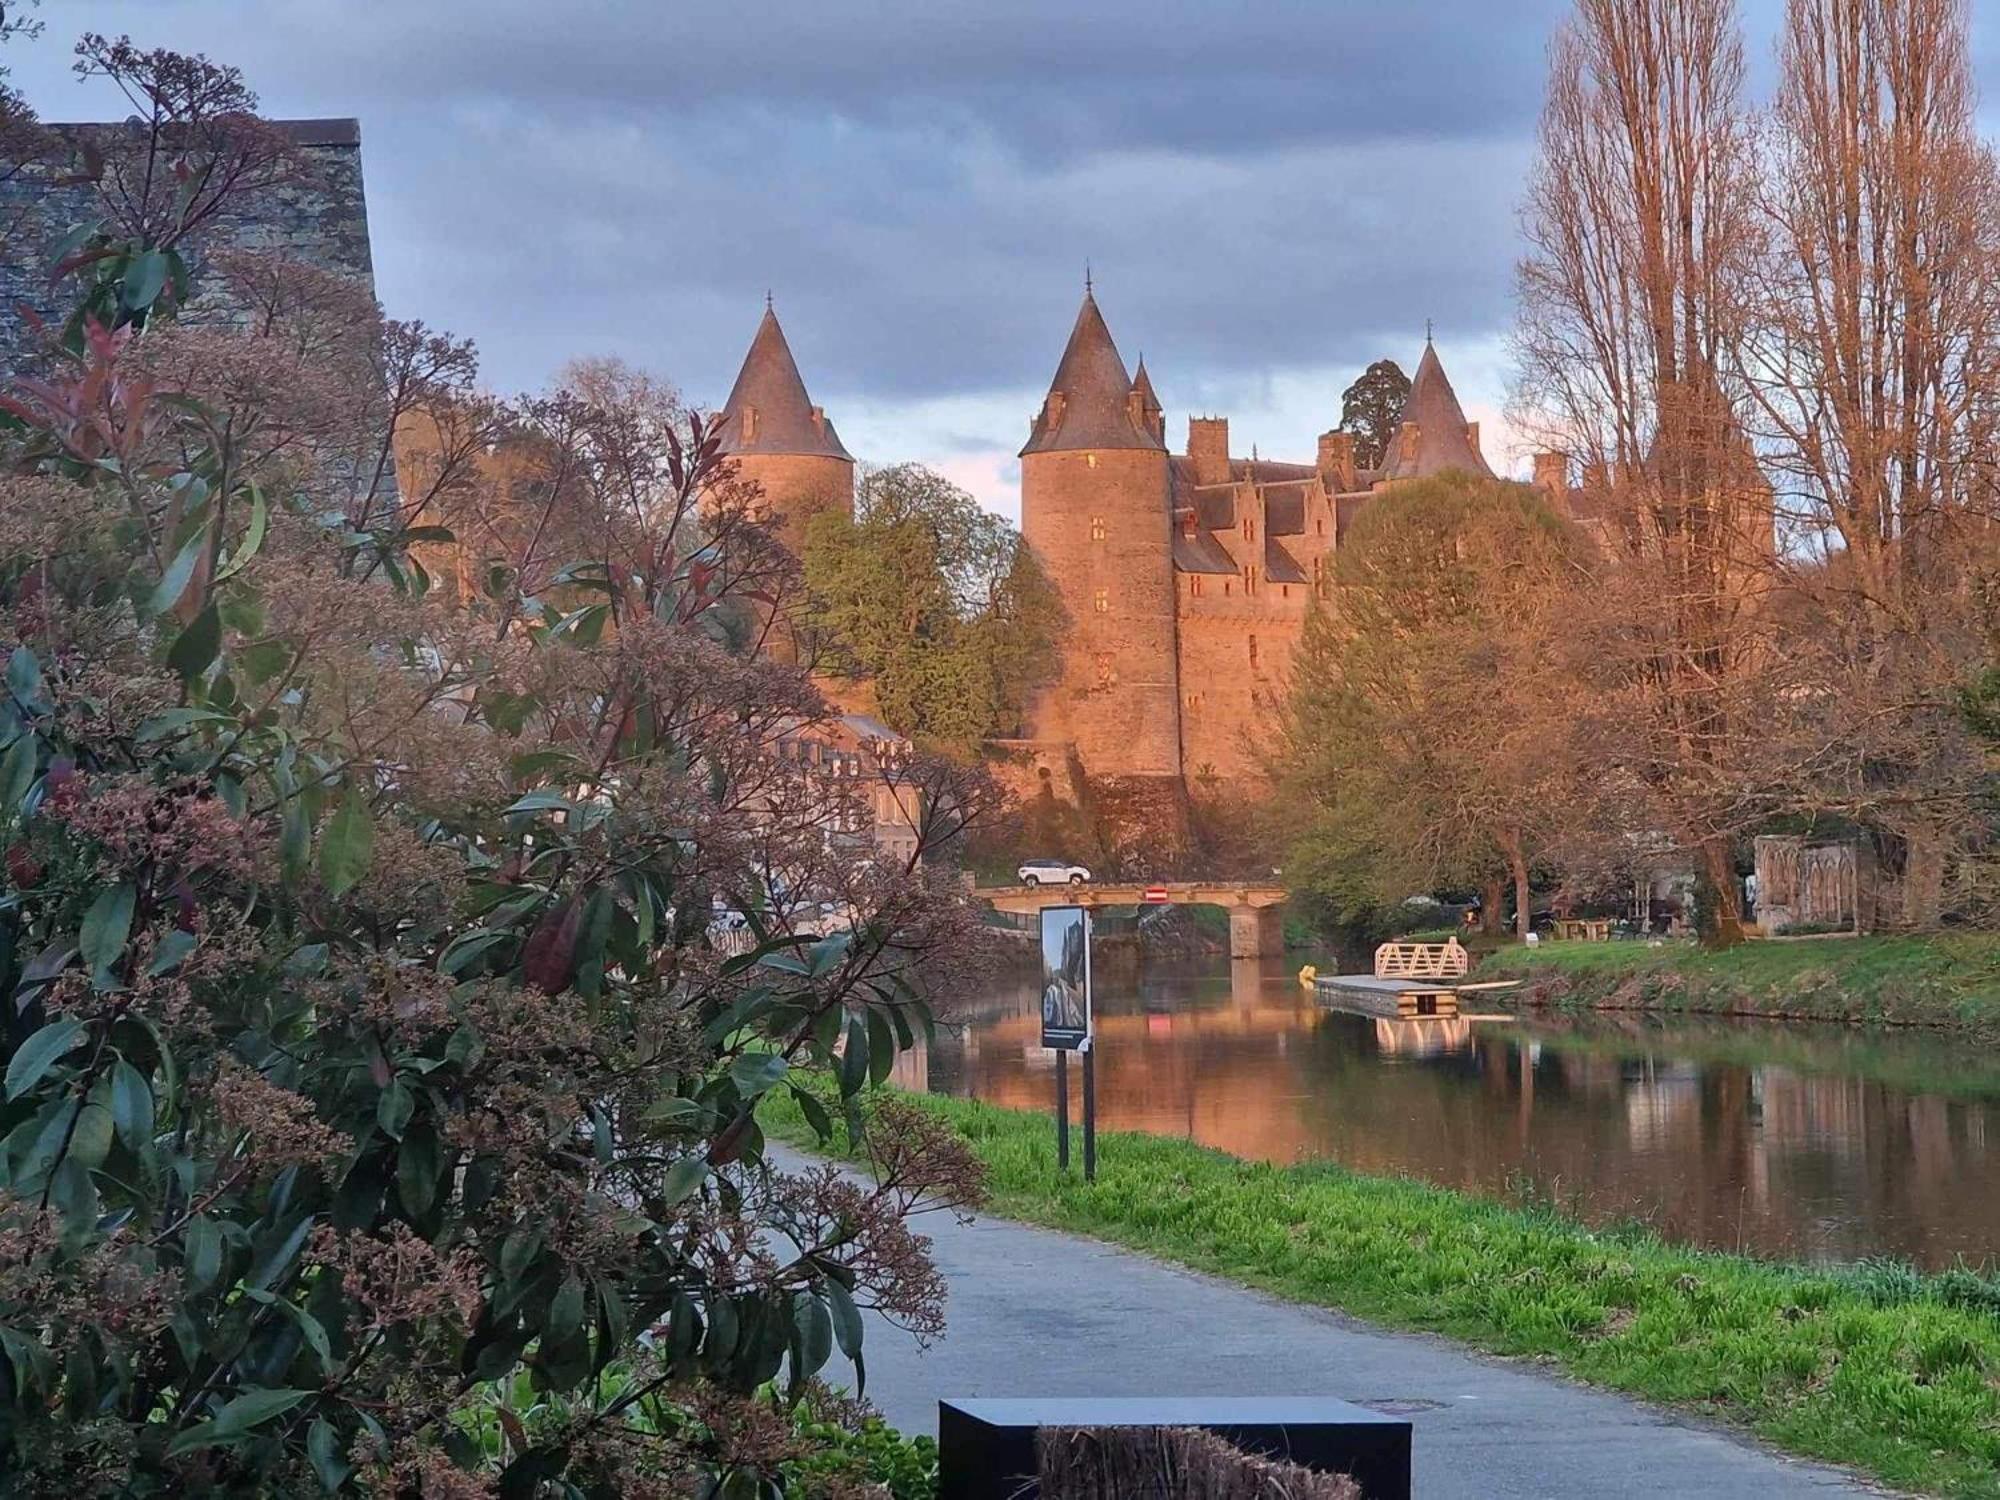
1208	446
1336	461
1410	440
1552	474
819	419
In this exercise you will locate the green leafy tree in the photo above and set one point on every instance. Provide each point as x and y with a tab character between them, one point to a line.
1426	740
1370	407
936	601
369	1074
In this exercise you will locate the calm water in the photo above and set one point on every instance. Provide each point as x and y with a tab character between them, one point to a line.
1816	1142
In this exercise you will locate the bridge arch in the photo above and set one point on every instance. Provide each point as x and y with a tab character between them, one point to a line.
1256	917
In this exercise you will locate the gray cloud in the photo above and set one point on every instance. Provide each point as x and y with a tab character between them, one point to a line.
1264	188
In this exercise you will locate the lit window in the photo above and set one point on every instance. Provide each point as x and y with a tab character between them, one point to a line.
1097	528
1105	676
1249	530
1090	460
1101	601
1194	584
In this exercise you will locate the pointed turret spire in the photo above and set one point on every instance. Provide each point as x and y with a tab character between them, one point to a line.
768	410
1432	434
1089	404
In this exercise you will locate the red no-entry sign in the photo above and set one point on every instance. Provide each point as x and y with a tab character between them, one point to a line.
1156	894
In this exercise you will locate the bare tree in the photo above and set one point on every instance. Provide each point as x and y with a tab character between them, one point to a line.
1640	222
1872	362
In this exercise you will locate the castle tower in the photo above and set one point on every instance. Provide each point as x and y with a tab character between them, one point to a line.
1432	434
780	440
1095	508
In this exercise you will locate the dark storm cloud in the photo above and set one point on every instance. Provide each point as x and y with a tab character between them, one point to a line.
1260	187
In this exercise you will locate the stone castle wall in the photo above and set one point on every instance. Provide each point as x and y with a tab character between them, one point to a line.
1097	521
1235	661
319	216
797	487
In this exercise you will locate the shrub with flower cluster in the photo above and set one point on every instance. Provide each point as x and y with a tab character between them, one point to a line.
364	1051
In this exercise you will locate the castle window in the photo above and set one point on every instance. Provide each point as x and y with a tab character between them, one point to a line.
1097	528
1101	601
1249	530
1284	591
1105	676
1090	460
1194	700
1321	523
1319	574
749	424
1194	584
1253	651
1225	586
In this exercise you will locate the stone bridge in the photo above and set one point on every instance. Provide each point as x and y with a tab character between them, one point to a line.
1256	926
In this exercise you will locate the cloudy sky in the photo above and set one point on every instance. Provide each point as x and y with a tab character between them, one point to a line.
1271	193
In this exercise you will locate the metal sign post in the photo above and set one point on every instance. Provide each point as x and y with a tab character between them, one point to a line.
1089	1111
1067	1019
1062	1108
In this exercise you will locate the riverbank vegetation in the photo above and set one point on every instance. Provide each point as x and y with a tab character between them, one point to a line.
1873	1366
1757	344
1945	979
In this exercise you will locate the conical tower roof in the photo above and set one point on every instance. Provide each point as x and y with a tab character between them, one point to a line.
1442	441
1142	383
1089	404
768	410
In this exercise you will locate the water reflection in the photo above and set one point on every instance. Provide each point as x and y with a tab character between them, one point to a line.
1822	1143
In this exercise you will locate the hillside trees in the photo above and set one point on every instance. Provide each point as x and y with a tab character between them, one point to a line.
936	601
364	1053
1425	742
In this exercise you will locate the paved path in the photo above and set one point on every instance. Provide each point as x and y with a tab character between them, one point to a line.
1036	1313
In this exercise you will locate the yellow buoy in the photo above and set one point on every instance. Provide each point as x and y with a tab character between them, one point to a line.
1307	975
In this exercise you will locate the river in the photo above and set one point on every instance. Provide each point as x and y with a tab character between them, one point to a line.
1810	1142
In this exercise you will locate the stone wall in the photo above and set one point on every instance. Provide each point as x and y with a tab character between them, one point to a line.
1236	655
319	217
1098	523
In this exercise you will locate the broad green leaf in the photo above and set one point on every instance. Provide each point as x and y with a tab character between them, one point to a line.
815	1333
24	680
145	279
347	846
201	1251
394	1108
683	1178
131	1105
310	1327
253	537
90	1142
41	1052
846	1318
174	947
565	1319
173	583
756	1073
106	925
854	1057
237	1419
323	1447
17	775
419	1164
881	1047
197	644
541	802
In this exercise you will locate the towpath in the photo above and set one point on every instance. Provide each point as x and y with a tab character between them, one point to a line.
1035	1313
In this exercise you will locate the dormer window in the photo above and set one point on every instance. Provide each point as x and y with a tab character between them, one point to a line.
749	424
1249	530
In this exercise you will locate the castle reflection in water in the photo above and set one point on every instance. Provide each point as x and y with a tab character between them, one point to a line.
1813	1142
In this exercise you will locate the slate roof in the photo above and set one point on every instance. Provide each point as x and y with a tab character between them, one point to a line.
770	382
1442	442
1094	409
1200	552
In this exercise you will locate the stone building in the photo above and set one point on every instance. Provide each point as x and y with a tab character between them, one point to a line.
780	441
317	214
1188	576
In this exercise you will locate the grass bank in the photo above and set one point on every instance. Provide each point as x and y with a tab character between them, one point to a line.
1950	980
1876	1367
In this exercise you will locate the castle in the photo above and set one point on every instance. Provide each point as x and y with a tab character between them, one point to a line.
1187	577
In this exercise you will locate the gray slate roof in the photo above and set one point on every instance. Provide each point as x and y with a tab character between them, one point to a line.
770	383
1442	442
1094	410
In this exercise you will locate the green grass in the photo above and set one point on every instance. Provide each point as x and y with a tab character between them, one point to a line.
1876	1366
1950	980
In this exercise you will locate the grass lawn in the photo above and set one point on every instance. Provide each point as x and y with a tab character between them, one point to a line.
1875	1366
1948	980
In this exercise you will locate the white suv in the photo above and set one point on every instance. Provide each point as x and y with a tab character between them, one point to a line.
1052	872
